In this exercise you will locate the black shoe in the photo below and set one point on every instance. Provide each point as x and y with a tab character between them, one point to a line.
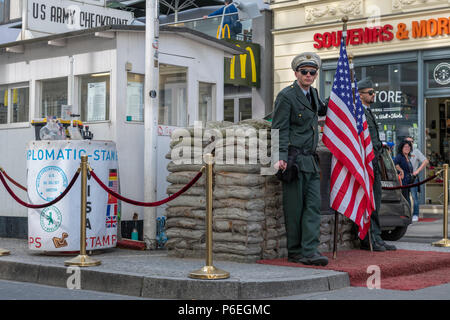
388	247
375	247
316	259
294	258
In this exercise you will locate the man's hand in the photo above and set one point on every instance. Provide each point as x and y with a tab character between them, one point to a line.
204	17
281	164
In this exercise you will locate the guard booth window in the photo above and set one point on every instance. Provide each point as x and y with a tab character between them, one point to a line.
14	104
172	109
135	97
53	96
206	105
94	97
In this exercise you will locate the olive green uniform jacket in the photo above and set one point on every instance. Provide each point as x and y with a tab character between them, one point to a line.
297	121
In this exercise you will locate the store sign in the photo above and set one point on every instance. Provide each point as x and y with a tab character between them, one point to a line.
386	33
57	16
386	113
244	69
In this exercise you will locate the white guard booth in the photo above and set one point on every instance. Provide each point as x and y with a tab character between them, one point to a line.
51	166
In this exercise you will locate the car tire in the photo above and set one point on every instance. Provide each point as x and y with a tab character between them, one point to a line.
395	234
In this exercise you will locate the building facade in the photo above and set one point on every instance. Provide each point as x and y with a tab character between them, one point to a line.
403	45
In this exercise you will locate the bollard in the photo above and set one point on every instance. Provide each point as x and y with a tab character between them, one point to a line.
209	272
83	260
445	242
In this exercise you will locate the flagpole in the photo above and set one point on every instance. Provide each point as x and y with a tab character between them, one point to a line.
336	214
350	60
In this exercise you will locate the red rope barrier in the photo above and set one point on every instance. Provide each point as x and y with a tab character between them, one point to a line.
13	181
146	204
40	206
411	185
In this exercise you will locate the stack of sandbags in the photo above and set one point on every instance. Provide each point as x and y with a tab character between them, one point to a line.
185	224
346	234
247	213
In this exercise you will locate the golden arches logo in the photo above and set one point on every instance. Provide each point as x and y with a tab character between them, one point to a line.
243	62
225	28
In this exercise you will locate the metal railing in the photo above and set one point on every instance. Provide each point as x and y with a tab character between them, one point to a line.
210	26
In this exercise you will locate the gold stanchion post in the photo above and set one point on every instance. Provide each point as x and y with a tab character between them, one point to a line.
209	271
83	260
445	242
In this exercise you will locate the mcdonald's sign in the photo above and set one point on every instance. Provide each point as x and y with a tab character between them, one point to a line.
244	69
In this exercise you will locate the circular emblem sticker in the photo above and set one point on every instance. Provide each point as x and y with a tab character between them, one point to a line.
51	219
442	73
51	182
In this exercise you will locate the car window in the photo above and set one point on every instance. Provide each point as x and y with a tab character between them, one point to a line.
388	173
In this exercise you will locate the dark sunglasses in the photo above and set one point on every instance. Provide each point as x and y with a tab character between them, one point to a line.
370	92
305	72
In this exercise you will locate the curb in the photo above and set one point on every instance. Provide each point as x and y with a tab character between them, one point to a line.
170	288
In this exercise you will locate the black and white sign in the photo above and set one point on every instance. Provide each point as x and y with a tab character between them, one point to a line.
58	16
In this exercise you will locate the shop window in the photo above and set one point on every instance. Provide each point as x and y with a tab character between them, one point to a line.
438	74
228	110
172	109
94	97
237	109
53	96
245	109
14	104
206	103
395	105
135	97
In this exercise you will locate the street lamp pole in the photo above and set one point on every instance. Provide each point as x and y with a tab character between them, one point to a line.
150	118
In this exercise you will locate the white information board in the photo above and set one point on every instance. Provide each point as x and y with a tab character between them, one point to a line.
51	165
96	101
59	16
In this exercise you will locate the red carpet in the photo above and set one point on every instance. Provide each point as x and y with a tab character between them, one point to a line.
427	219
399	270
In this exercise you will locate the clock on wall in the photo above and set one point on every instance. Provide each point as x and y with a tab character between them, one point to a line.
442	73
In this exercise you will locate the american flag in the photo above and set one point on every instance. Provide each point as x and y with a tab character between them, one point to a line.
346	135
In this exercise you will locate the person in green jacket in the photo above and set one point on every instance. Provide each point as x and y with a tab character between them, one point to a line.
367	96
295	115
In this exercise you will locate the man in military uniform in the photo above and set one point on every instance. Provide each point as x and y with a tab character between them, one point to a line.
295	115
367	95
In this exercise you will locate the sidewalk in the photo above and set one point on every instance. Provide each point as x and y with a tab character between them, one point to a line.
154	275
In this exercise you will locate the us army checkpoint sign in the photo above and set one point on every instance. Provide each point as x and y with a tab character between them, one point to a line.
51	165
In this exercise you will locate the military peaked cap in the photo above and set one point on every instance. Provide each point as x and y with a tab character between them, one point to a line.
306	59
365	83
